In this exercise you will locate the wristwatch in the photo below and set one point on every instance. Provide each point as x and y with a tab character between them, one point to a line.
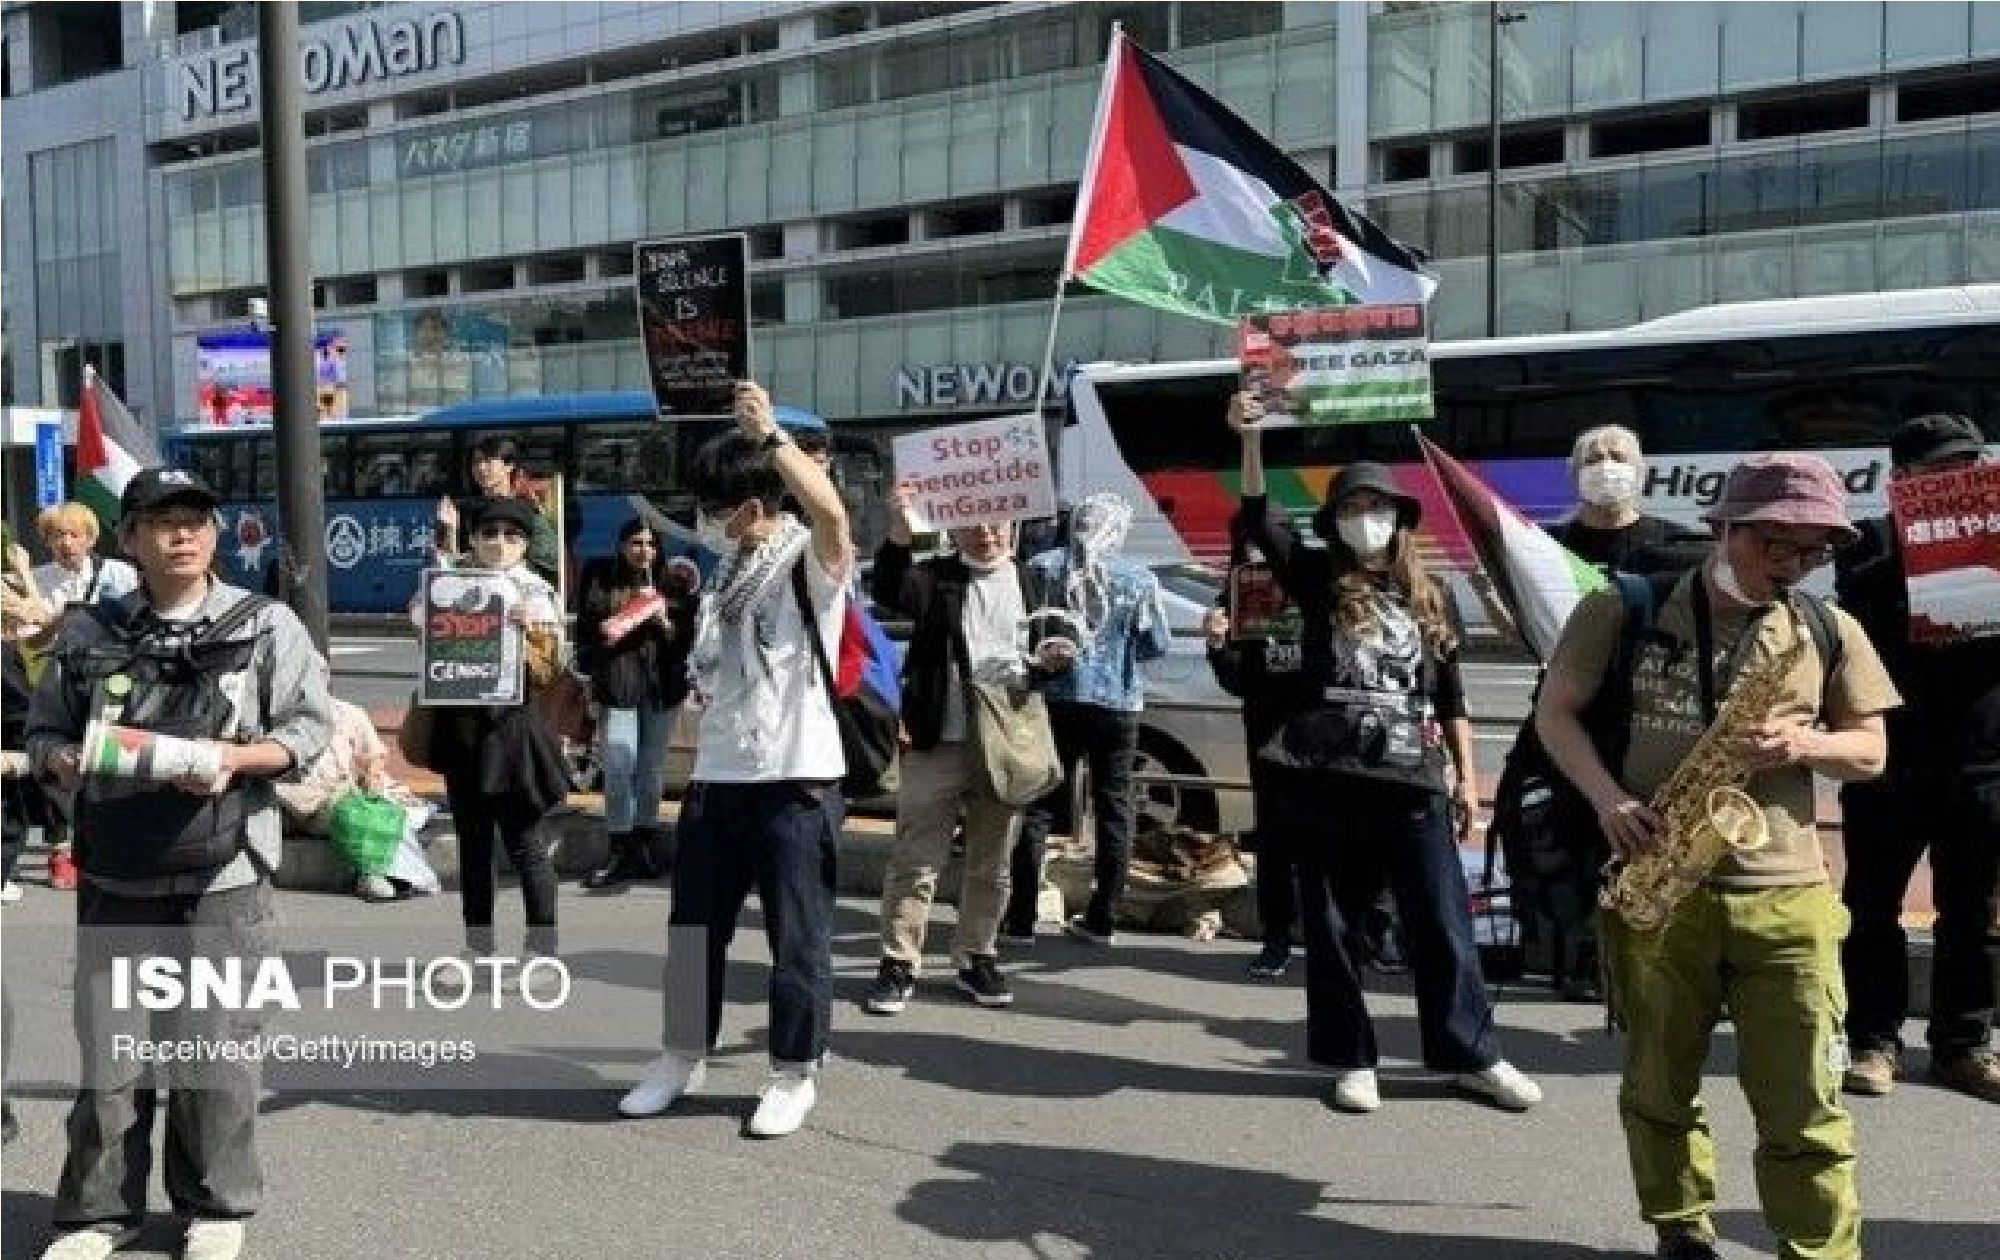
773	440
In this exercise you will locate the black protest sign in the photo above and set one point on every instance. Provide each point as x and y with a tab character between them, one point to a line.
694	316
471	653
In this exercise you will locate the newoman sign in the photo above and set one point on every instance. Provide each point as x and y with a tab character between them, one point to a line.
369	51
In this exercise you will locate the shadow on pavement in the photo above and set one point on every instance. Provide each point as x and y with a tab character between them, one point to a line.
1053	1200
1883	1240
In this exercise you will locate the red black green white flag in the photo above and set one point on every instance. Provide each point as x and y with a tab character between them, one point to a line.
1184	207
110	447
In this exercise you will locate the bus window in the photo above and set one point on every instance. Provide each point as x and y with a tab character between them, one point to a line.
264	485
335	471
542	451
390	465
213	462
636	458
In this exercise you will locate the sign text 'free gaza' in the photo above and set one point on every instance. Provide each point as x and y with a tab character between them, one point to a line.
1340	365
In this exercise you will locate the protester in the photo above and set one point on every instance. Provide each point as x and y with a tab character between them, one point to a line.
1760	937
1608	471
1361	770
74	575
638	673
503	768
969	616
1095	617
235	674
356	760
1262	669
495	467
763	809
1941	793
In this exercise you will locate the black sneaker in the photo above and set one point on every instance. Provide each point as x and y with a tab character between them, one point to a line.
1685	1244
983	983
1274	961
1084	930
895	981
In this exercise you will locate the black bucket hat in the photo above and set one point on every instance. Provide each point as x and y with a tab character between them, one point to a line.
1366	475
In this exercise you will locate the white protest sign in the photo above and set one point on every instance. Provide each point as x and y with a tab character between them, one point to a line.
985	471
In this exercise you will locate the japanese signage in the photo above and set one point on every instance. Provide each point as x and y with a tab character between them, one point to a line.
1949	527
471	653
369	50
1258	606
982	472
1348	364
233	377
48	463
694	317
465	148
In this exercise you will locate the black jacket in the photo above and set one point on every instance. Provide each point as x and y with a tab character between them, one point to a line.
932	595
1950	718
1647	545
648	667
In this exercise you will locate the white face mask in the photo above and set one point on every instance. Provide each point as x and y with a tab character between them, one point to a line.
1368	533
713	532
1608	482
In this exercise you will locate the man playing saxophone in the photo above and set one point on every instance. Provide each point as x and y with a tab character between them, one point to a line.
1759	936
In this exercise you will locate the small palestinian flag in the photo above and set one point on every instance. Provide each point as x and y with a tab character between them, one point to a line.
124	752
110	447
1538	578
1184	207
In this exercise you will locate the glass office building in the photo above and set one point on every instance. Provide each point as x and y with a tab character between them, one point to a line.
905	175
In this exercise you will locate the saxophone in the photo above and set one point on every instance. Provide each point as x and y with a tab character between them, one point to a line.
1707	812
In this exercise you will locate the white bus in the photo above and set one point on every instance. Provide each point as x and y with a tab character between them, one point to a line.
1703	388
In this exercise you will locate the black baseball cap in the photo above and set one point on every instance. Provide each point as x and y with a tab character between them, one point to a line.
161	487
1937	436
508	511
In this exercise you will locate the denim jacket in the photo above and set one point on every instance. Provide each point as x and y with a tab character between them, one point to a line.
1135	629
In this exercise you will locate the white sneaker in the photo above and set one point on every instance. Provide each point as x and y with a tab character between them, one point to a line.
1504	1084
10	891
783	1106
667	1079
1357	1091
212	1240
90	1244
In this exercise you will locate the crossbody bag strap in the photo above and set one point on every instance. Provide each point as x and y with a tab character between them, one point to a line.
811	619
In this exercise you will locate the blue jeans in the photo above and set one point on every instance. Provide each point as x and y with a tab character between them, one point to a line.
778	838
634	757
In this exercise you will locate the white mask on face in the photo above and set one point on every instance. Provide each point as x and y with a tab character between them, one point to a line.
1608	482
1368	533
713	532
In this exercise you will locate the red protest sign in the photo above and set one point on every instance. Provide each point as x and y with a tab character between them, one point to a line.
1949	526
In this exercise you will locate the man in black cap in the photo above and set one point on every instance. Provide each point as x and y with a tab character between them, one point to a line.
1941	792
177	840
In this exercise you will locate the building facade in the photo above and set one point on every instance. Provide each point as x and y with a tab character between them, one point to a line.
905	174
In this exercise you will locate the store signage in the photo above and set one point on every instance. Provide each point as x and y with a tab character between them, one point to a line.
369	51
971	385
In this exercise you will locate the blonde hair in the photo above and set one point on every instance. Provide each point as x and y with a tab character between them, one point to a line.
1607	439
67	516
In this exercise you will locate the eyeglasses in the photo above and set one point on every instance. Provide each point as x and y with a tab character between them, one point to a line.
501	533
1785	550
647	543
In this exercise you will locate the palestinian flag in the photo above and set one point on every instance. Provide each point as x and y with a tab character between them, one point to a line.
1538	578
1184	207
110	447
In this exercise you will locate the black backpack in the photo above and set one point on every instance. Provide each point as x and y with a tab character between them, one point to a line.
144	677
1542	825
868	727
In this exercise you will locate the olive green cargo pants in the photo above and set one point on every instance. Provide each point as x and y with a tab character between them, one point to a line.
1770	959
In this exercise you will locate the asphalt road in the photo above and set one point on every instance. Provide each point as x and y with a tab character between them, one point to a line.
1143	1102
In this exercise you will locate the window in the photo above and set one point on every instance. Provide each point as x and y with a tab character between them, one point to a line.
968	220
358	291
871	233
335	469
767	301
396	465
1802	115
1211	23
767	243
541	448
1045	209
218	463
562	269
428	283
487	279
635	458
1406	162
1652	134
1540	147
1949	98
617	262
264	478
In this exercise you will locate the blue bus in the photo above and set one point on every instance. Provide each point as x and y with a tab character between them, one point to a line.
383	479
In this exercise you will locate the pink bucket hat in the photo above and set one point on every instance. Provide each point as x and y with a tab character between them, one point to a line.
1787	489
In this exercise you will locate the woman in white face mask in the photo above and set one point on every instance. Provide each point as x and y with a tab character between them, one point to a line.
1359	774
1609	529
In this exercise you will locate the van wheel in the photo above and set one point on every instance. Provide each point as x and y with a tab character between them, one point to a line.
1162	806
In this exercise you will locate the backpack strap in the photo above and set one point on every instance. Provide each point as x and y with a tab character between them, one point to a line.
811	618
1818	617
240	612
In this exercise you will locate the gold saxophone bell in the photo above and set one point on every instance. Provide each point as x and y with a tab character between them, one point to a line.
1737	820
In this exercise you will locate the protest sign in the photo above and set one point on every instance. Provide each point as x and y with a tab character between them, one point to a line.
471	653
988	471
694	318
1949	527
1345	365
1259	607
630	614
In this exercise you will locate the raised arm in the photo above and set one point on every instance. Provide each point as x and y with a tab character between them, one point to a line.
817	496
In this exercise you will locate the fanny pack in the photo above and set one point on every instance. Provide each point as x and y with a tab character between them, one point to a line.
1388	735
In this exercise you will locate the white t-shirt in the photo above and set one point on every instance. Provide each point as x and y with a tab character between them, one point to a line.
114	579
993	629
771	717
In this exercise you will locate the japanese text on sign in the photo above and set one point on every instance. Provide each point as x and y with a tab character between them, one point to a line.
989	471
1343	365
1949	527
